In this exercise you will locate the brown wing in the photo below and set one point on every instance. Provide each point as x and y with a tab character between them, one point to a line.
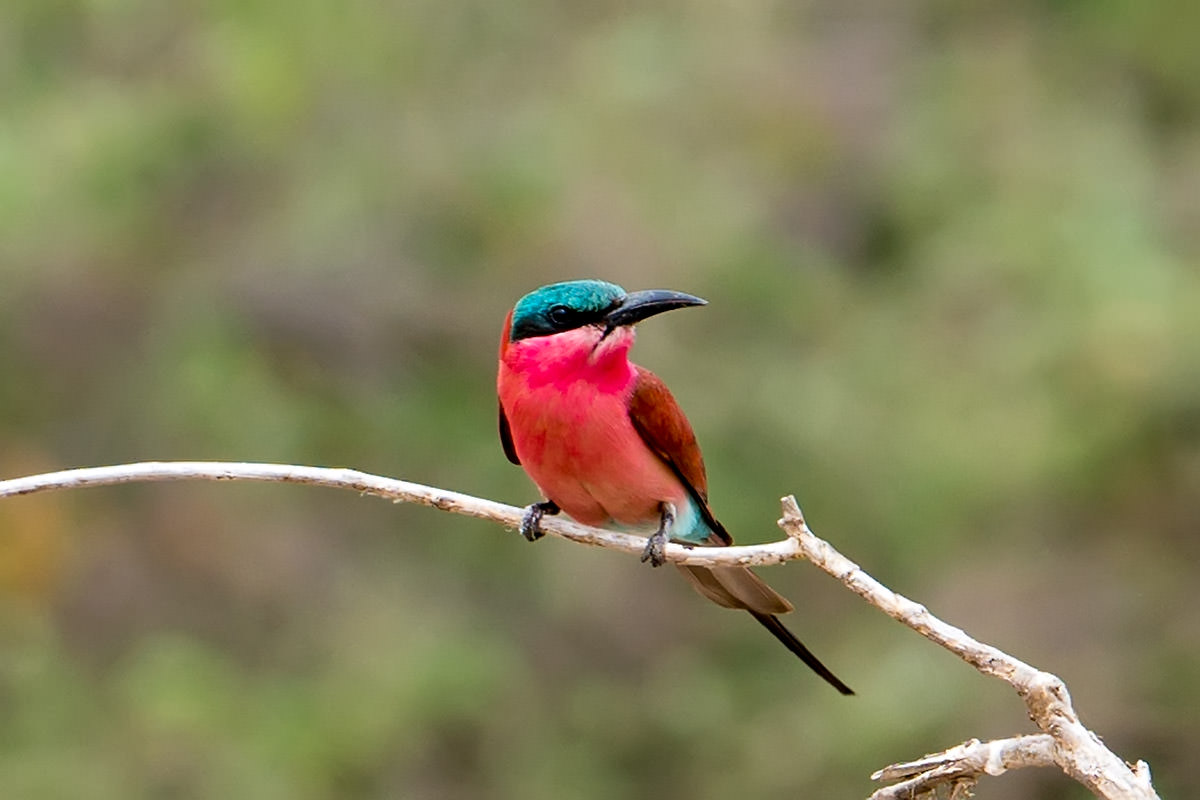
663	427
657	418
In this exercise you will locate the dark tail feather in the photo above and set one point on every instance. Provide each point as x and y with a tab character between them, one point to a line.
790	641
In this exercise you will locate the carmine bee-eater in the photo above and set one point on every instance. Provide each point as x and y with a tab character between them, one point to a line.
605	441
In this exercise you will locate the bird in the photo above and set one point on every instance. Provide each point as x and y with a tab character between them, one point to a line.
606	443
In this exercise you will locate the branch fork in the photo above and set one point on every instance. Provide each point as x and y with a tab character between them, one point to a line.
1064	740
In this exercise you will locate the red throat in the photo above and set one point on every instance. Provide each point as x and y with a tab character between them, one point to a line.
583	354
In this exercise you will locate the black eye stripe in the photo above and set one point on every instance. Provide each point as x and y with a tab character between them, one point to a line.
557	318
562	315
564	318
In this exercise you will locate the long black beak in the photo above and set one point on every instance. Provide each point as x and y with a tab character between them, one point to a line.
637	306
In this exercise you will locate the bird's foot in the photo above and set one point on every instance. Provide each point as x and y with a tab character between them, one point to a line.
531	522
656	549
656	546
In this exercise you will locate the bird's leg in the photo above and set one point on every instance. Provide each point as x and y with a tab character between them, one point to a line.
531	522
656	552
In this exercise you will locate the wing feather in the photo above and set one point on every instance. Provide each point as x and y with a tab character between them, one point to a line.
657	418
506	440
659	421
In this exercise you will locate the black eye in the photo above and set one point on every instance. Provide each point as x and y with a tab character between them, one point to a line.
562	316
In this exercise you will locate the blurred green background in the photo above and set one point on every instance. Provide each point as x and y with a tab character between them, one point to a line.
951	255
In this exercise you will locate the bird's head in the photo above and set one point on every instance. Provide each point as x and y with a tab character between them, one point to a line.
602	306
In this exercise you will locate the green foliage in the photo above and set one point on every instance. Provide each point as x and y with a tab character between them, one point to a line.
950	252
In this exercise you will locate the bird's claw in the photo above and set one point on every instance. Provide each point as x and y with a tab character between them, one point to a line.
656	549
531	521
656	545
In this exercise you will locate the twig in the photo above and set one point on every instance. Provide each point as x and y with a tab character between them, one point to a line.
1075	749
1064	740
961	766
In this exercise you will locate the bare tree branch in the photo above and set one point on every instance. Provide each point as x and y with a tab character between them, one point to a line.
397	491
1075	749
1064	741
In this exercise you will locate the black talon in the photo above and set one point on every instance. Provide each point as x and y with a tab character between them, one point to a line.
656	546
531	522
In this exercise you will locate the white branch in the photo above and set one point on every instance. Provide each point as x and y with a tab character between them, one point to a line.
961	766
398	491
1064	740
1076	750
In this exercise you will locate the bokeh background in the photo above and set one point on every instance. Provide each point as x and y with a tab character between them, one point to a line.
951	254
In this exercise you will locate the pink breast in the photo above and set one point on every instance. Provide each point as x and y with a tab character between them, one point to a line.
571	430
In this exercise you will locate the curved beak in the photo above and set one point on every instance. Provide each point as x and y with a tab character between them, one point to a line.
637	306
